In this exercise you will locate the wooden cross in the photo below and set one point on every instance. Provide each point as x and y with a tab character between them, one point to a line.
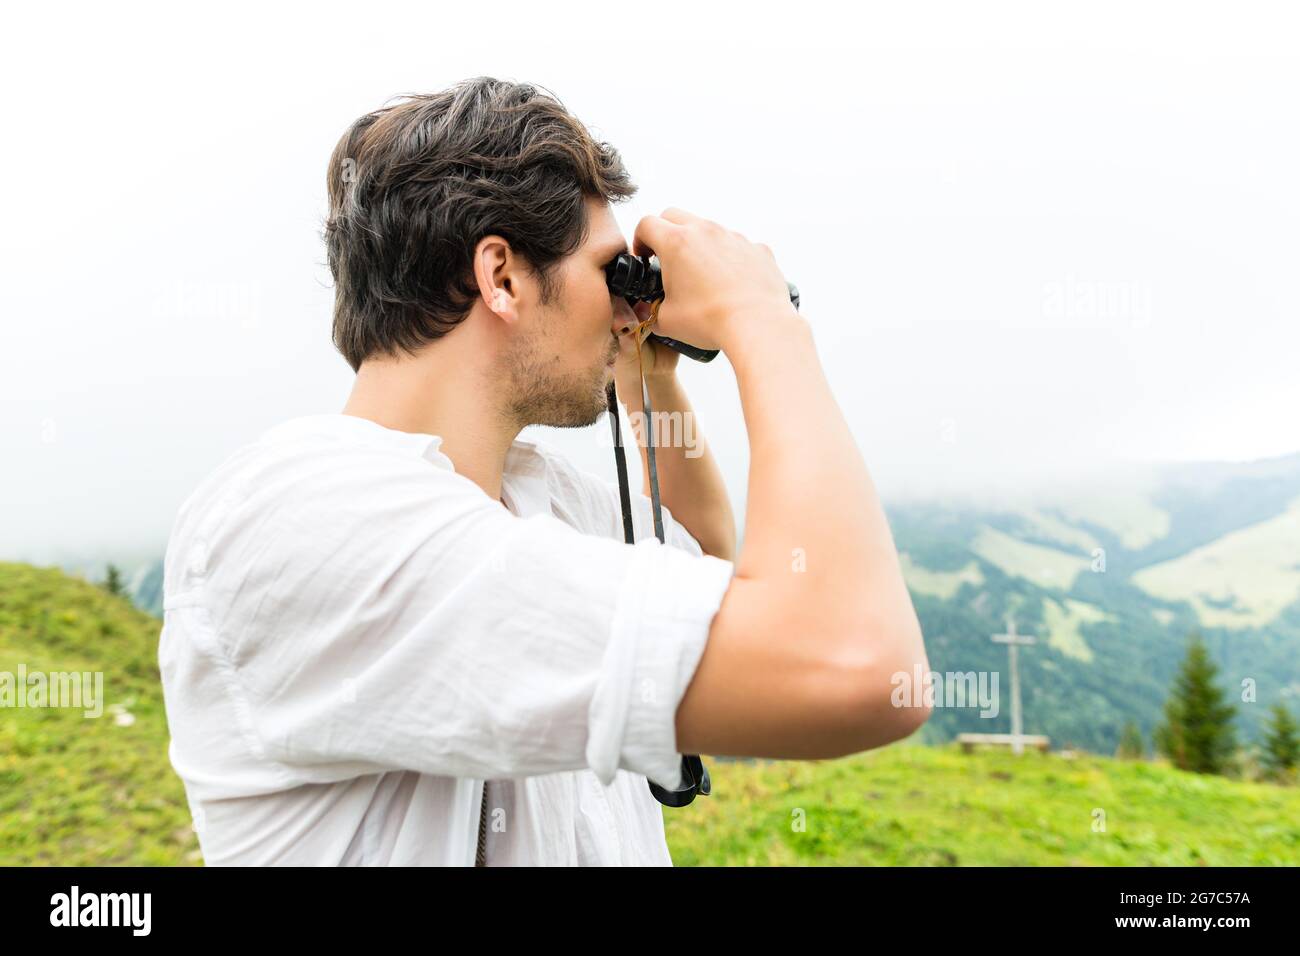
1014	640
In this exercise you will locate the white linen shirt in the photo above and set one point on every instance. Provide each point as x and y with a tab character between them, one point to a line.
356	637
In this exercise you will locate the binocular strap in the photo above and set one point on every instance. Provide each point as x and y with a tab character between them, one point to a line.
694	774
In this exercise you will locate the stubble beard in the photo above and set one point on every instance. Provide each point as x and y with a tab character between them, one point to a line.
537	394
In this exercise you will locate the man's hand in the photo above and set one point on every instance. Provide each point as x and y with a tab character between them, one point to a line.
719	288
659	362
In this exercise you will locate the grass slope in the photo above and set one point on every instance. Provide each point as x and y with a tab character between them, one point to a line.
934	806
77	790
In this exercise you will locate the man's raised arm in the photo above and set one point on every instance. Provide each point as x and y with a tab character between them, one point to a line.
817	618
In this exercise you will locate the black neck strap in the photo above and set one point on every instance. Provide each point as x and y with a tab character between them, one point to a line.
695	776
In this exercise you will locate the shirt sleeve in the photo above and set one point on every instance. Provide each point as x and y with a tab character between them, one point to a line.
435	631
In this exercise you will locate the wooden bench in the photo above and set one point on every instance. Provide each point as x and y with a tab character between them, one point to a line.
970	741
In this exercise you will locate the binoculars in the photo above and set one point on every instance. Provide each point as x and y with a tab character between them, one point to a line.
638	279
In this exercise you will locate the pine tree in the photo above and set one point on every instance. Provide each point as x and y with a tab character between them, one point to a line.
113	581
1197	733
1131	745
1281	748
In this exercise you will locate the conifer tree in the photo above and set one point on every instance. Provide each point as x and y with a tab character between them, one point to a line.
1131	745
1197	733
1281	746
113	581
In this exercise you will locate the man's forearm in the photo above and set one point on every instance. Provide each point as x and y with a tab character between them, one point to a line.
690	482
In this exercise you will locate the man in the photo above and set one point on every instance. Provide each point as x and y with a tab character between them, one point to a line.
370	614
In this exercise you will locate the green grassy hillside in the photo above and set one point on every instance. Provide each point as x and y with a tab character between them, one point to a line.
86	791
77	790
934	806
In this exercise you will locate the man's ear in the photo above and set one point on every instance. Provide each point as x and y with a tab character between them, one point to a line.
494	266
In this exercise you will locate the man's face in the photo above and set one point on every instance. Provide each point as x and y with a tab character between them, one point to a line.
559	366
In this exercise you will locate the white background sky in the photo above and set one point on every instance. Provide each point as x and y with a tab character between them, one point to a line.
1030	240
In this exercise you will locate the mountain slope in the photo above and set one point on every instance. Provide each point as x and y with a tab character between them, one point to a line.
77	789
1112	578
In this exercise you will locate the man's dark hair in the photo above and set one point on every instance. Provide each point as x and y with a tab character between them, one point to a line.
414	186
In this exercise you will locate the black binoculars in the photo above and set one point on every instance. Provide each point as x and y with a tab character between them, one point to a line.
638	279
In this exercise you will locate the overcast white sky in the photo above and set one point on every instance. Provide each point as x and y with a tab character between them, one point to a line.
1029	241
